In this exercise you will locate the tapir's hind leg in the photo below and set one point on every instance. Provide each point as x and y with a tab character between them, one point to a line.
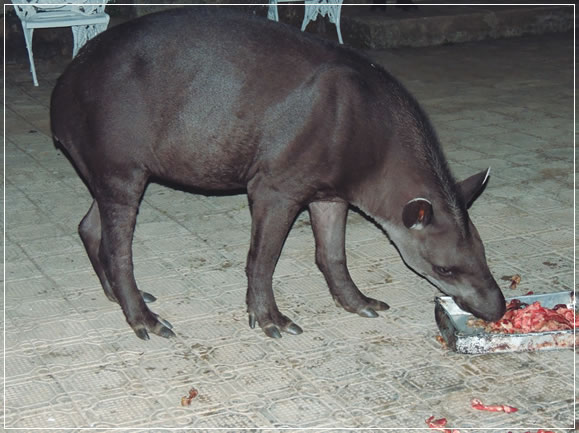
117	201
271	220
90	234
329	226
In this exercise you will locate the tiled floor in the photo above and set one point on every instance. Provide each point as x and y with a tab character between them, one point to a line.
72	361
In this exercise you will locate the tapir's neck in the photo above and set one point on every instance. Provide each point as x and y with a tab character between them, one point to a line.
399	161
383	194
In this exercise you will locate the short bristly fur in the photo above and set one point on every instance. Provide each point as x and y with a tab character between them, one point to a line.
215	100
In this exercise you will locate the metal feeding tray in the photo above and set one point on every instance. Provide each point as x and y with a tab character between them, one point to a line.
452	322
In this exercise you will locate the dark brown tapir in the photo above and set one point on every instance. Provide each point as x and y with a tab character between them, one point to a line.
220	100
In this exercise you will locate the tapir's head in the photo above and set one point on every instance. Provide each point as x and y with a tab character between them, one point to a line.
437	239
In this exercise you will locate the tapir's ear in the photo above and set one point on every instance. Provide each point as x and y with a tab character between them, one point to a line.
417	213
473	186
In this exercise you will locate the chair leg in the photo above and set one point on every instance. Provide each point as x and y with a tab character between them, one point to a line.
28	33
336	20
310	14
79	38
339	34
272	13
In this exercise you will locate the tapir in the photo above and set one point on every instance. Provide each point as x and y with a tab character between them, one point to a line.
219	100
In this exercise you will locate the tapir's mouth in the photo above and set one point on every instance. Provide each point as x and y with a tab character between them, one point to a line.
489	316
491	311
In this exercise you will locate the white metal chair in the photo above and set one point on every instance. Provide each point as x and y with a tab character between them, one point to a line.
313	8
87	18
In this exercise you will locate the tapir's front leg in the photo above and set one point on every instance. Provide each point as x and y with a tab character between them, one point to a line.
272	217
329	225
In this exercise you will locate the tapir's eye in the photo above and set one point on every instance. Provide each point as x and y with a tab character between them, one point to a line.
440	270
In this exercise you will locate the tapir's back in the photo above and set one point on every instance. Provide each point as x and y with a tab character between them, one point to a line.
188	41
186	84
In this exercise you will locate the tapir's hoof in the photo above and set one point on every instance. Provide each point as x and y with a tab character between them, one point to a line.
164	322
162	332
160	327
147	297
373	306
379	305
142	334
363	306
252	320
166	333
294	329
273	330
367	312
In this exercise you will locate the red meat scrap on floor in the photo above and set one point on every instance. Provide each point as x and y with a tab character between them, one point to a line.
515	281
439	424
477	404
186	401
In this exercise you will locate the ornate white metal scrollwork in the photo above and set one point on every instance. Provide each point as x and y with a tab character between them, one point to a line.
87	18
313	8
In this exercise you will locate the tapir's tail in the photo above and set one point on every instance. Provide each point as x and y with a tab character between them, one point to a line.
67	127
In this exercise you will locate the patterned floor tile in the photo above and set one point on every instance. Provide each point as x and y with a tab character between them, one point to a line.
72	361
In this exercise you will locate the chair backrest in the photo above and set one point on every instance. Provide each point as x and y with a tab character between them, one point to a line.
25	9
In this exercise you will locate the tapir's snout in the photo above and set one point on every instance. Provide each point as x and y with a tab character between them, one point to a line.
490	307
492	315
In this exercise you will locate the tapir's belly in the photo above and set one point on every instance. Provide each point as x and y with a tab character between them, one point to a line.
204	147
